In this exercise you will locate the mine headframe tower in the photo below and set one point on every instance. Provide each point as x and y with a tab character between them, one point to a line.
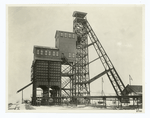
65	68
83	30
81	87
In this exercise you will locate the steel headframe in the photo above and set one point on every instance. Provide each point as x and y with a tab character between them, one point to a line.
81	70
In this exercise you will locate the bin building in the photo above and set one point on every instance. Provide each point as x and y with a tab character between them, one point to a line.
47	67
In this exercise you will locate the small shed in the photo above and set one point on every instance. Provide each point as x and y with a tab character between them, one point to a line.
133	90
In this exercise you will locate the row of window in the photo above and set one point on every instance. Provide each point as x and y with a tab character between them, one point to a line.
55	62
41	74
51	69
55	53
41	71
67	34
55	72
51	64
50	74
41	52
46	65
50	78
46	72
46	69
53	79
42	64
45	76
40	67
55	65
52	82
71	55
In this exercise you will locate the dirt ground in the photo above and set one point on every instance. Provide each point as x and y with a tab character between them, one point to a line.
72	107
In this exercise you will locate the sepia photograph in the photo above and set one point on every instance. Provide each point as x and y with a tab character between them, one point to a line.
75	58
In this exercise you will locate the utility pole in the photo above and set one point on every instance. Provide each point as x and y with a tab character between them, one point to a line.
102	88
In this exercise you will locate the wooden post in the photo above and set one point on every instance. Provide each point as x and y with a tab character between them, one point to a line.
121	102
22	96
133	102
137	104
105	102
76	102
118	102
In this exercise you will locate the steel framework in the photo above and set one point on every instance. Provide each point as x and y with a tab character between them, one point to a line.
70	79
79	71
83	28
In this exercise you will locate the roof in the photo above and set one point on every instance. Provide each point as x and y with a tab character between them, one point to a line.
79	14
63	32
136	88
133	88
35	46
24	87
44	47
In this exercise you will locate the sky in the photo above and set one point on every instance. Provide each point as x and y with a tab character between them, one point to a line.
118	27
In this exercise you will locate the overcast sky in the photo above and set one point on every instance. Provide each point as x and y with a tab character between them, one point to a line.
119	29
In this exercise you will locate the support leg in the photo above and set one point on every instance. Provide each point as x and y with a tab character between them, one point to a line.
118	102
22	96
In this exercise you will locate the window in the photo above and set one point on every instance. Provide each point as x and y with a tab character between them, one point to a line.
69	54
73	35
73	55
49	52
45	52
37	51
65	34
61	34
41	52
53	53
69	35
57	53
